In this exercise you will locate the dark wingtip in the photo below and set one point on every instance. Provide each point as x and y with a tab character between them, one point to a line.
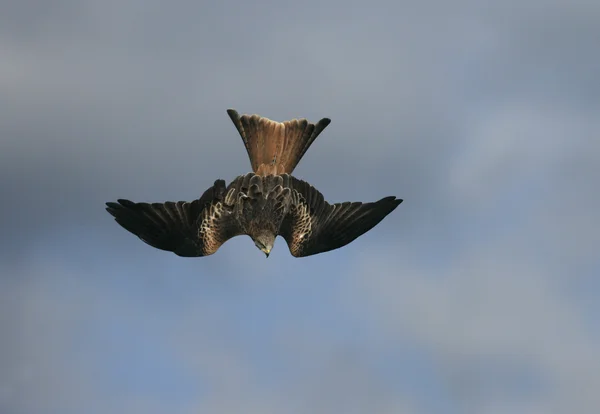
125	203
113	208
121	204
390	202
392	198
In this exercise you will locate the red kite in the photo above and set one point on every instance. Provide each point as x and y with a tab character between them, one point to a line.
263	204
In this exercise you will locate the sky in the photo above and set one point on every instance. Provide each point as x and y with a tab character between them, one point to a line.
478	294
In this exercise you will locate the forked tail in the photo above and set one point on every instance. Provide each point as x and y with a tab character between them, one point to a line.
275	147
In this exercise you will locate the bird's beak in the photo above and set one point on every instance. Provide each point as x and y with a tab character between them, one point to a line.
266	252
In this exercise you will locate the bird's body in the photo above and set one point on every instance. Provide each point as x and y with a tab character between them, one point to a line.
262	204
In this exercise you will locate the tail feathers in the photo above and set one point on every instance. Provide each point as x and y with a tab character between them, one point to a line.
276	147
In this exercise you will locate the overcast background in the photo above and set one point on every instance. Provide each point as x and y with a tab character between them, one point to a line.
479	294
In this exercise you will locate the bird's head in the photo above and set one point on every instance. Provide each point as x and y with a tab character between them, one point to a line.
264	242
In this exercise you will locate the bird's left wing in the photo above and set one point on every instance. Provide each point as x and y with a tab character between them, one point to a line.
188	229
314	226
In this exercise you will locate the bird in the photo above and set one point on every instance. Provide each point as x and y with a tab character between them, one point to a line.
263	204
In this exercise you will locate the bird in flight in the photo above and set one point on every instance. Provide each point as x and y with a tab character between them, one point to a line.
263	204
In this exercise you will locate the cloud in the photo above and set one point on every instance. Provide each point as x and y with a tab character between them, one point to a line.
477	296
501	314
500	330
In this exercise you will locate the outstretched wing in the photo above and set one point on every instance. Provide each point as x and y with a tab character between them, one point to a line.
188	229
315	226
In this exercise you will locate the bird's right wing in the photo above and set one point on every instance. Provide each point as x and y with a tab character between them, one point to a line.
188	229
315	226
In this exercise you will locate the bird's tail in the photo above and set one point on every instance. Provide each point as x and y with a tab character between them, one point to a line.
275	147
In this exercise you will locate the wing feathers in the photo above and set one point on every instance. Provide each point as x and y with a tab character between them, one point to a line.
148	223
315	226
309	224
188	229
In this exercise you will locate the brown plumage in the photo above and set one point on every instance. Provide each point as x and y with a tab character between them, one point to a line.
263	204
275	147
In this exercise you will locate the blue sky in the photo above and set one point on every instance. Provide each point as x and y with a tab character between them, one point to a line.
477	295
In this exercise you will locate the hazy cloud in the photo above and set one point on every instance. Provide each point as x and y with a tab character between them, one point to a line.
476	295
